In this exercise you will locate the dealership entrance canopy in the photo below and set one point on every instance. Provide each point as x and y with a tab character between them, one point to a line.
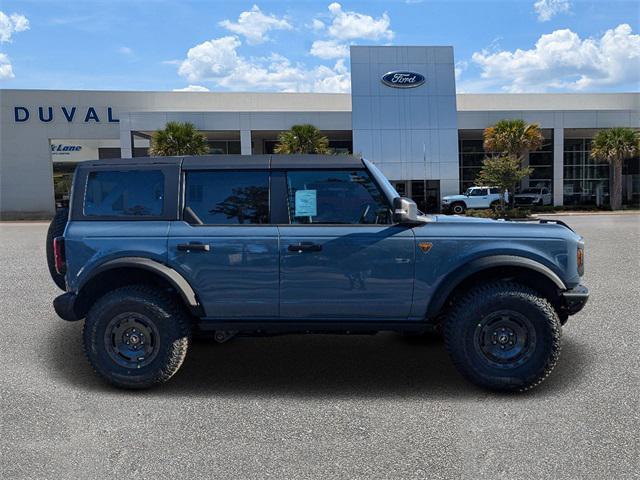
403	113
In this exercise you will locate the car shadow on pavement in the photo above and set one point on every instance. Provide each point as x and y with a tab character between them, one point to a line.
311	366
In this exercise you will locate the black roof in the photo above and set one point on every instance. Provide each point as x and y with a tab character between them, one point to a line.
225	162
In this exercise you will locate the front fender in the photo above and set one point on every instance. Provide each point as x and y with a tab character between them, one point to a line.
451	281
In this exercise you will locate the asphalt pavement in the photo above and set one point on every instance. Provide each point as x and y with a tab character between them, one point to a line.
320	406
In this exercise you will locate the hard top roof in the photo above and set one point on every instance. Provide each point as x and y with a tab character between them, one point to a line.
227	162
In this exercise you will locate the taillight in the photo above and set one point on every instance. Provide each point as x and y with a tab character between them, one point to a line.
58	255
580	259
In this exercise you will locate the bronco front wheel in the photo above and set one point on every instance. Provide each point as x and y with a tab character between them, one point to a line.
503	336
136	337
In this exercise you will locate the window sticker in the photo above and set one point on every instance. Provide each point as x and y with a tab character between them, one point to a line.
306	203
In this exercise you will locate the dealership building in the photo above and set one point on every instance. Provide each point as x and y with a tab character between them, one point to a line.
425	137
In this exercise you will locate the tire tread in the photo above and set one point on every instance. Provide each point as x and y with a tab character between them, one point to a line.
153	297
509	289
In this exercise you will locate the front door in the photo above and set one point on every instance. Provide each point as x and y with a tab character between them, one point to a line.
341	257
478	198
225	246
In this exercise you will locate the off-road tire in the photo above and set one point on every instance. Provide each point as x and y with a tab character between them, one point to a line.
56	229
464	329
495	206
166	316
458	208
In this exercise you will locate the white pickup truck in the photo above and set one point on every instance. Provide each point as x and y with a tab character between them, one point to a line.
474	197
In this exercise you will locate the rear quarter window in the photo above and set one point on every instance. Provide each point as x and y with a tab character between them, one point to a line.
137	193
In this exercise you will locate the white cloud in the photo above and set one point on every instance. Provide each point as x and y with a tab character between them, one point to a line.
327	49
547	9
218	61
192	88
254	25
561	60
6	70
210	59
125	51
347	25
10	24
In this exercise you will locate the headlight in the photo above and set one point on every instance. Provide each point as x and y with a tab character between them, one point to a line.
580	258
445	200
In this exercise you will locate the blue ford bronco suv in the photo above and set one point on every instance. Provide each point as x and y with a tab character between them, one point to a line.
155	250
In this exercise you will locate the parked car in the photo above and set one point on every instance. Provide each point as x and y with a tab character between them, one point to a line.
154	250
533	196
473	197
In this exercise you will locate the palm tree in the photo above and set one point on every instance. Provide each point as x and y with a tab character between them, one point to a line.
178	139
514	138
614	146
302	139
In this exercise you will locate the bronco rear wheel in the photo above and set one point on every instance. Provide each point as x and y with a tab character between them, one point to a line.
136	337
503	336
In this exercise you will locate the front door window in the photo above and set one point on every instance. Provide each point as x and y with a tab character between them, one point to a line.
335	197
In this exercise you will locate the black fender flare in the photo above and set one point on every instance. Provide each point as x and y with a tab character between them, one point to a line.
451	281
181	285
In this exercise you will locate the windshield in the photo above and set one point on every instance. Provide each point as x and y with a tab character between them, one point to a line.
530	190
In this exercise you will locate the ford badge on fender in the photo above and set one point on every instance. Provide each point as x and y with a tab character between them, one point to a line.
403	79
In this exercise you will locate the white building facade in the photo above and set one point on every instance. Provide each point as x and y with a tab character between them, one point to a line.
403	113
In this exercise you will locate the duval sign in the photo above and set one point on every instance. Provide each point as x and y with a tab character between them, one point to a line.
69	113
402	79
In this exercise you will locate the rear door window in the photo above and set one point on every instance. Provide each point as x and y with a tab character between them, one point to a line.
137	193
221	197
335	197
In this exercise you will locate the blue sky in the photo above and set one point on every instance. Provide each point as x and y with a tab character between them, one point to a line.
500	46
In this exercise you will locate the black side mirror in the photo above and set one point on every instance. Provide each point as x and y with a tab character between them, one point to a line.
405	210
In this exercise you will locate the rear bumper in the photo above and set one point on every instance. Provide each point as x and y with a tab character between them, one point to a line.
575	299
64	305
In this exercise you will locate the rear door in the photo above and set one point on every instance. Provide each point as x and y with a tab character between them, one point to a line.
225	245
340	255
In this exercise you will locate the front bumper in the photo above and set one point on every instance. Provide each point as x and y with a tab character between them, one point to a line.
64	305
575	299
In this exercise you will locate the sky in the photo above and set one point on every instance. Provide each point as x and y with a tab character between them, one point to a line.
303	46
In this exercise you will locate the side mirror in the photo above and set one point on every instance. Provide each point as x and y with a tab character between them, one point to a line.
405	210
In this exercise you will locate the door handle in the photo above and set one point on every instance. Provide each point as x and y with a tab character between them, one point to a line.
193	247
304	247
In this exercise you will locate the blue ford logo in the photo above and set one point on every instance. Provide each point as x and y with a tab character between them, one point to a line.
403	79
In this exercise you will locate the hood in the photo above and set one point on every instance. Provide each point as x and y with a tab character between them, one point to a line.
454	197
461	219
454	225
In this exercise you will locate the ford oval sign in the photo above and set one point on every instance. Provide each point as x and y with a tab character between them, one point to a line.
403	79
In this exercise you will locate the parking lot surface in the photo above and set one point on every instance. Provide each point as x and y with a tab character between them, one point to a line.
319	406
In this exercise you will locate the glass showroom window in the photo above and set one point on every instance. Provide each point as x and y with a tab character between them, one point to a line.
586	181
542	163
471	156
224	147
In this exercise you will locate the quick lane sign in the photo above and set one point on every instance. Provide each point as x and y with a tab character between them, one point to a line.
69	113
402	79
